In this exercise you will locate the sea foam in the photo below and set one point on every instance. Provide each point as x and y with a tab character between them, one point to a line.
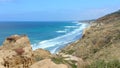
62	31
70	26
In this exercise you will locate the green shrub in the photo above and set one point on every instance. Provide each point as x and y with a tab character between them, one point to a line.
103	64
70	52
37	58
73	65
113	64
58	60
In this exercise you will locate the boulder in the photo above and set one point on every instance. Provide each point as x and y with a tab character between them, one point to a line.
16	52
47	63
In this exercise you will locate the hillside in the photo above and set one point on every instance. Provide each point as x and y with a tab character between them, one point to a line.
109	18
100	44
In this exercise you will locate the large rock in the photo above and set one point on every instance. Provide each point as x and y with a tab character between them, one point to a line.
16	52
47	63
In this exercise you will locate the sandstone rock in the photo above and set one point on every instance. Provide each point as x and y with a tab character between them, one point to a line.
17	62
42	53
2	66
47	63
19	51
16	52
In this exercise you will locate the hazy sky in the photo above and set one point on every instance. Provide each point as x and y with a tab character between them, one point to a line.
55	10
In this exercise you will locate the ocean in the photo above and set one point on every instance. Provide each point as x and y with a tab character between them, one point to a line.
51	36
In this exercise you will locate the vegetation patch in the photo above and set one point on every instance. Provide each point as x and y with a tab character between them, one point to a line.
73	65
58	60
38	58
103	64
70	52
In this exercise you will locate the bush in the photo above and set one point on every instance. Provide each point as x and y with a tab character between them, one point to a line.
38	58
58	60
103	64
70	52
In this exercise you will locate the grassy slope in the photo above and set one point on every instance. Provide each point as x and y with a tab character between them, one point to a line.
100	42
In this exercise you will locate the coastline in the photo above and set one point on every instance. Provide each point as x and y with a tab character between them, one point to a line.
98	47
63	40
89	23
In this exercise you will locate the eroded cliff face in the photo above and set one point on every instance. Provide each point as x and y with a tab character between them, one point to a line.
16	52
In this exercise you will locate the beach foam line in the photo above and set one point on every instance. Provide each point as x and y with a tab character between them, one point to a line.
62	31
70	26
60	41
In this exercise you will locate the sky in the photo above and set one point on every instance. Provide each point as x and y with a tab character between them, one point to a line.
55	10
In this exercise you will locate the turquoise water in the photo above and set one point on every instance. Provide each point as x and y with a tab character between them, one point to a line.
51	36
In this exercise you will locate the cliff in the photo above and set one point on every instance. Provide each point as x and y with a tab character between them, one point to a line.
100	44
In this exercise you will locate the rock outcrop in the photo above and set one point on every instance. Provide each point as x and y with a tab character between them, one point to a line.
40	54
16	52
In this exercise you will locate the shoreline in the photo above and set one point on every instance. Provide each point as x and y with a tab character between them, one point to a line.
70	38
91	23
83	32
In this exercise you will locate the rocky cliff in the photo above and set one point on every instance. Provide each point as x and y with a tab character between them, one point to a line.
16	52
